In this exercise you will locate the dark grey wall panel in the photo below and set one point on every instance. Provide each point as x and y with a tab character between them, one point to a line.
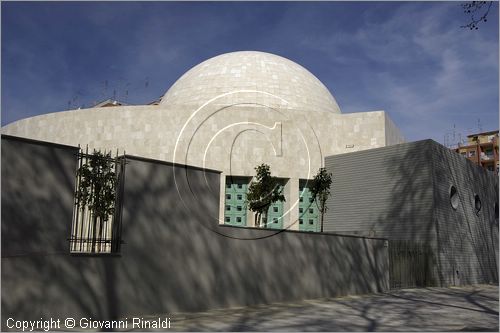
37	194
467	242
402	192
384	192
175	256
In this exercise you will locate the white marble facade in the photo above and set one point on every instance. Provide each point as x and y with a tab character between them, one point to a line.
229	113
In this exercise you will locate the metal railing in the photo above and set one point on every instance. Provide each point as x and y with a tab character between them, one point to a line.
92	234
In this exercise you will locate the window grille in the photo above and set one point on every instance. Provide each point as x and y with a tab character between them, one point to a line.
96	225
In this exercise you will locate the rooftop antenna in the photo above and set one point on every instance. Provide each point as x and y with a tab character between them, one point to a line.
454	134
446	142
72	102
126	91
104	92
479	127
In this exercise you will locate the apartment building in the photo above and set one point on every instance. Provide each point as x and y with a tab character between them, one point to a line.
482	149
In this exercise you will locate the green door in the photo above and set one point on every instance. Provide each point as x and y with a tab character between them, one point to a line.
308	210
235	208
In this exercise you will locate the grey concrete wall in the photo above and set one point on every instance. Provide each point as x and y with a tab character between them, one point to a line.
175	256
38	181
467	242
401	192
383	192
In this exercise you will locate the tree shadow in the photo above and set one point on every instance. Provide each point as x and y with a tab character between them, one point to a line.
406	191
174	257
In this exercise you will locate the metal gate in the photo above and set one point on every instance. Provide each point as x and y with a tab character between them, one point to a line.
99	179
410	264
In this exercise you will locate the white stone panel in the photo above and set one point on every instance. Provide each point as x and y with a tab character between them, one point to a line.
285	117
251	71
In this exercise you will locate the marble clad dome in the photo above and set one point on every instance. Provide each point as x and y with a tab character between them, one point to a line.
251	71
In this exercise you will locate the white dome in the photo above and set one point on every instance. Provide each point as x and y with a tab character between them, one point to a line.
250	77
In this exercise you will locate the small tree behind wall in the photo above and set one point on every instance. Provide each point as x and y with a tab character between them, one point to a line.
95	194
263	192
321	191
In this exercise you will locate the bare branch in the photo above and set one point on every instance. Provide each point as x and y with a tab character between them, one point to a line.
478	11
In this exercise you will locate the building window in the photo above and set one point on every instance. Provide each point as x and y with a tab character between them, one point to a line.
238	208
311	200
275	209
311	210
238	219
228	219
228	196
240	186
239	197
228	185
275	220
472	153
301	221
301	210
228	208
477	204
301	199
454	197
311	221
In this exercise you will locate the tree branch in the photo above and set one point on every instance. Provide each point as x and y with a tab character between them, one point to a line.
475	8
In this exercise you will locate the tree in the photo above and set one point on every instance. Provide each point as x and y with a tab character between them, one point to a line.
320	190
96	190
478	11
263	192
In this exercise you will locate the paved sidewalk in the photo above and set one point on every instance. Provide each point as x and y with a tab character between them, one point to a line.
472	308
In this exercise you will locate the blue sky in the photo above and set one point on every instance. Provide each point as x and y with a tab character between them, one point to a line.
411	59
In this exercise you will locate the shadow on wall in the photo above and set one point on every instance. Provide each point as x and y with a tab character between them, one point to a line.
29	190
409	209
467	237
465	244
189	263
37	204
408	215
175	256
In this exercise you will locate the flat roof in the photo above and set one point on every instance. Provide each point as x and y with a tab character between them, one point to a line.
483	133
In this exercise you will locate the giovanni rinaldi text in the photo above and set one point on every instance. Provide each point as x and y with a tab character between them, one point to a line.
86	323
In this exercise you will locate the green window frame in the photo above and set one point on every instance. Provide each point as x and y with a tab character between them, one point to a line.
275	214
308	210
235	198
